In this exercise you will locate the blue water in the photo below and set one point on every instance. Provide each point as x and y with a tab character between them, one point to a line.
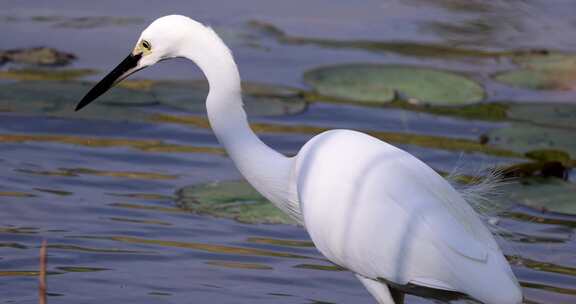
114	231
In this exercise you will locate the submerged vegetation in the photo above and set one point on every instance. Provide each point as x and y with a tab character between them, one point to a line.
45	74
236	200
36	56
531	127
409	48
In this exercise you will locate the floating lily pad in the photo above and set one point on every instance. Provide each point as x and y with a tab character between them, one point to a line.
550	194
37	56
181	95
69	93
269	90
233	199
542	72
539	79
373	83
551	61
555	115
59	98
259	99
525	138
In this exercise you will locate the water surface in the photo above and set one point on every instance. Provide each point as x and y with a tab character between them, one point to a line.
108	213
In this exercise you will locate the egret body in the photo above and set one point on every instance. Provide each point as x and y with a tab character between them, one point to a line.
368	206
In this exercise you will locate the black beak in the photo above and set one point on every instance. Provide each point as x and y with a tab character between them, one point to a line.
123	70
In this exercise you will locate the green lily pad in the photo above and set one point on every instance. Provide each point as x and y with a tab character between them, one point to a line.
539	79
525	138
180	95
232	199
269	90
259	99
374	83
58	98
555	115
542	72
552	61
69	92
548	194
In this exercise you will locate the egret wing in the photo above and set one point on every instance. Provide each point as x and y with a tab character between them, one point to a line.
449	216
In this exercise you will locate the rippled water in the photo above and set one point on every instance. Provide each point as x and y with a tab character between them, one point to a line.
108	213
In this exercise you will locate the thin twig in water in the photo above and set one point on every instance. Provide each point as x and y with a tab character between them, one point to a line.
42	274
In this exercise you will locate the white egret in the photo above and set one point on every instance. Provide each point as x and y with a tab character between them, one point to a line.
368	206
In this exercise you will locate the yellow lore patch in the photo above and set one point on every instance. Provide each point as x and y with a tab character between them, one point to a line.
143	47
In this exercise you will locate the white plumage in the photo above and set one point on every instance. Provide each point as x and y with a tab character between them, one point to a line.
367	205
379	211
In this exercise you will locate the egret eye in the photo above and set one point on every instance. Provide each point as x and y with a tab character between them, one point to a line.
146	45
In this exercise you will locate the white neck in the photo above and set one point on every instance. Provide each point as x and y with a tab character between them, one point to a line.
265	169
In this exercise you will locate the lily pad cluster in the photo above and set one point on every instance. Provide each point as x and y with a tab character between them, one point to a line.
542	72
377	83
545	114
545	194
541	132
239	201
232	199
59	98
259	99
544	133
524	138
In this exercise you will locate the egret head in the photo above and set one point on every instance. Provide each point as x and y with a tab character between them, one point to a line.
162	39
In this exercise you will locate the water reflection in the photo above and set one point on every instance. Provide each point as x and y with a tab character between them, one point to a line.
132	232
102	192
